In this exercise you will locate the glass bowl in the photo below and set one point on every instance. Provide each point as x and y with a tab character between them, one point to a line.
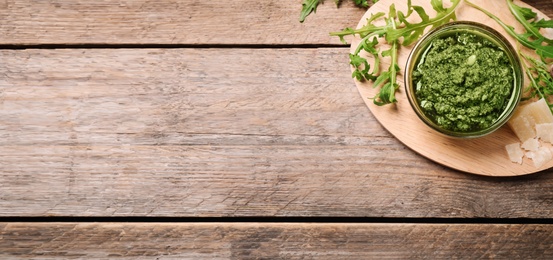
452	94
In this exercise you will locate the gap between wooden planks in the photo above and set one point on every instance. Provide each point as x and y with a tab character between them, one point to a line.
274	240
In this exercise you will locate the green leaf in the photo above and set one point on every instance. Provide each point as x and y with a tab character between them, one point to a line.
422	13
412	32
386	94
362	32
308	6
409	8
375	16
361	65
438	5
522	15
361	68
370	45
362	3
544	51
527	13
543	23
388	78
343	33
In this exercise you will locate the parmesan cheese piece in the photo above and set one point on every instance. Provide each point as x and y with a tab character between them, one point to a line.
515	152
532	124
527	116
531	145
541	156
545	132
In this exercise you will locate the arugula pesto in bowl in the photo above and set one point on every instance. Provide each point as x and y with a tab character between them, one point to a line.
463	79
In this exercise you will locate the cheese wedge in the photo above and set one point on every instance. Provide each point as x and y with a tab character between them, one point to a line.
545	132
526	117
515	152
533	124
540	157
531	144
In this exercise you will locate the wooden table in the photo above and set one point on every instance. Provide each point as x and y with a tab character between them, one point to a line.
206	129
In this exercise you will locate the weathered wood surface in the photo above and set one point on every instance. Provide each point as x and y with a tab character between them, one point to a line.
177	22
198	132
170	22
274	241
218	132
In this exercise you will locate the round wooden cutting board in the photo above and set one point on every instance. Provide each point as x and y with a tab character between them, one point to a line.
483	156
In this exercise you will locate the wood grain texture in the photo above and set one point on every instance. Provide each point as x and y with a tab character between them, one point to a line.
274	241
217	132
177	22
246	22
486	155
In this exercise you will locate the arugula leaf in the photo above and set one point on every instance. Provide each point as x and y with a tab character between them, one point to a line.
523	15
386	95
396	27
543	23
438	5
388	78
362	68
544	51
362	32
527	13
308	6
362	3
412	32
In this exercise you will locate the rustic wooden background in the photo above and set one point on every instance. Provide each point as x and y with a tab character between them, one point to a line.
193	110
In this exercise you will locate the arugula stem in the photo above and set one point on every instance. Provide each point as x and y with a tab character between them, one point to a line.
365	39
364	30
376	66
516	11
394	70
541	81
533	82
545	51
509	29
441	18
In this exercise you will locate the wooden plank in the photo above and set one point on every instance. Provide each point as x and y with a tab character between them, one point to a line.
177	22
129	92
170	22
201	132
274	241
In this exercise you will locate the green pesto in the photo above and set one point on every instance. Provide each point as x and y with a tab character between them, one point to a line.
463	82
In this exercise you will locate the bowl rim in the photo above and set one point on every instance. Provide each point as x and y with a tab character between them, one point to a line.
481	30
